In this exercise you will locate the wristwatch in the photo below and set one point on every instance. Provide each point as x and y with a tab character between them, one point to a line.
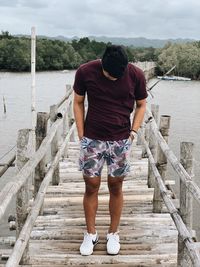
133	134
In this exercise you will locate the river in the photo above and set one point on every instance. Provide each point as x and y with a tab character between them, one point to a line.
180	100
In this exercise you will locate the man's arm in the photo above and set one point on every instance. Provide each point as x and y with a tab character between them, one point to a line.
79	113
139	114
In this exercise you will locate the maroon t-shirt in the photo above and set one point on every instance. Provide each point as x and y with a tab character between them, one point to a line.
109	102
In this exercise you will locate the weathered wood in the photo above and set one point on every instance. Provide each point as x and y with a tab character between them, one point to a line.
146	132
71	119
33	95
186	159
142	131
26	230
153	145
24	144
67	122
10	240
184	176
54	145
181	227
7	165
11	188
161	162
41	132
68	93
75	259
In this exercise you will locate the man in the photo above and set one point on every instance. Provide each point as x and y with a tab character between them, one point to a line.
112	86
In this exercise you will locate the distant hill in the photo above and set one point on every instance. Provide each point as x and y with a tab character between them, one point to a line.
140	41
136	42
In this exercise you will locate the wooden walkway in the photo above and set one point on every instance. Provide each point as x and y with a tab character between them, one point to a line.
51	230
147	239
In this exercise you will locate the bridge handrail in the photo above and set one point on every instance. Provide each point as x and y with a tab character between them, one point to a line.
12	187
25	233
178	167
181	227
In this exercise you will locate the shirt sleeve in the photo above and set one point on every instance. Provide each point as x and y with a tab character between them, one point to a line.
79	83
140	90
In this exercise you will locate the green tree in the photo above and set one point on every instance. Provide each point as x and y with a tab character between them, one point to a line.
186	57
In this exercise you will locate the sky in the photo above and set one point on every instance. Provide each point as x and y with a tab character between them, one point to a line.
155	19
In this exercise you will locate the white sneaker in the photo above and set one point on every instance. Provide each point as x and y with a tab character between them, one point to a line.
113	245
89	241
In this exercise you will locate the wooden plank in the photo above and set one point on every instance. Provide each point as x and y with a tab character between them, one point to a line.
126	236
75	259
107	265
43	247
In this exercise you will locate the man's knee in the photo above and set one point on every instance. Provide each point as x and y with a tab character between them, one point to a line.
115	185
92	185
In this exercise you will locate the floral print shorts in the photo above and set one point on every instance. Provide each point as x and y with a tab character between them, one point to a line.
94	153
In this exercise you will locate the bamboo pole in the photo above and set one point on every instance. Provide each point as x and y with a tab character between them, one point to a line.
69	91
161	163
186	159
66	122
22	199
71	119
33	110
24	236
153	146
41	132
4	105
7	165
54	145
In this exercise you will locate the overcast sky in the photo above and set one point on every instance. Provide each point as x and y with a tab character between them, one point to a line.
119	18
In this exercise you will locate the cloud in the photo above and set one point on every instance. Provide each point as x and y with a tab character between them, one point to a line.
128	18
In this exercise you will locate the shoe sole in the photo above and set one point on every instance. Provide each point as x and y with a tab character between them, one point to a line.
113	254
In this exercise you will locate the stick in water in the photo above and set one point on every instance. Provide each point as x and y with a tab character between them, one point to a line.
4	105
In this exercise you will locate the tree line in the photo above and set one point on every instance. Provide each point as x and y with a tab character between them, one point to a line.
15	54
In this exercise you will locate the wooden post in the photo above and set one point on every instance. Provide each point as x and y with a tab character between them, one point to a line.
145	130
71	119
186	159
66	121
54	145
153	146
161	163
41	132
139	139
33	102
24	143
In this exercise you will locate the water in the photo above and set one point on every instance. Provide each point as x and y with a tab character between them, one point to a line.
180	100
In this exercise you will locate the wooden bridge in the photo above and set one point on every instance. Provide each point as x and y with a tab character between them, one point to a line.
154	229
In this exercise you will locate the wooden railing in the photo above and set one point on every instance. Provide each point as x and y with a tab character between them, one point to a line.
151	136
33	171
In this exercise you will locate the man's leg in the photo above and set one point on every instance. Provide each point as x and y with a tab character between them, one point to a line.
116	202
90	202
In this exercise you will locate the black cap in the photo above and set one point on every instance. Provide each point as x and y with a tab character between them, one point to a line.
115	61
